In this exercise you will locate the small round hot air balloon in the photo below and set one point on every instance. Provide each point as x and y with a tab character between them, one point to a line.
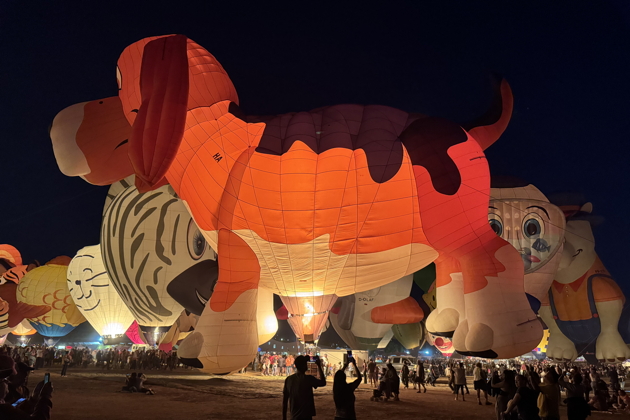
92	292
411	336
47	285
24	328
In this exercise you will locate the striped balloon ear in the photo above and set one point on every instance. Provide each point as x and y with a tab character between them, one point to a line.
159	126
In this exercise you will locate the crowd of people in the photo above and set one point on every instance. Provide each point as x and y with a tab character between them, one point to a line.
272	364
145	358
524	391
521	390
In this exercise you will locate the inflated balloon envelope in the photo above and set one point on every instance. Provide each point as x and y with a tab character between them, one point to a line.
95	296
330	202
14	312
158	260
363	319
24	328
47	285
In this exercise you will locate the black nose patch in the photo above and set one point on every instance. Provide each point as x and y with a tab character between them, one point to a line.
193	287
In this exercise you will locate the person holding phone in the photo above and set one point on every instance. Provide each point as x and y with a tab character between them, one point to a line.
298	390
38	406
343	392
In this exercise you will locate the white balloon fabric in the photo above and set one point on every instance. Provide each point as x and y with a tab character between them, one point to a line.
157	258
94	295
266	316
233	334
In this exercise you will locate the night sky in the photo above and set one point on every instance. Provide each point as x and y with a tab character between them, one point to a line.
568	63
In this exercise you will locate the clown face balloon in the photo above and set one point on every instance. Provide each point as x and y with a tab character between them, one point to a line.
525	218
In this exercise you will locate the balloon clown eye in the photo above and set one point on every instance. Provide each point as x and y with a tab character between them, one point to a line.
195	241
497	226
531	227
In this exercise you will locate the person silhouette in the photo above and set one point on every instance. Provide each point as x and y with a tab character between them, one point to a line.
298	390
343	392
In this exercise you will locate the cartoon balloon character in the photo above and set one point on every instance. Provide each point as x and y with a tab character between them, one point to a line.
11	272
584	302
92	292
47	285
11	267
362	319
157	258
523	216
443	344
4	314
309	205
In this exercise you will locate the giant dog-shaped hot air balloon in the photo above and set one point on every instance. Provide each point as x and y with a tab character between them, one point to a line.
310	205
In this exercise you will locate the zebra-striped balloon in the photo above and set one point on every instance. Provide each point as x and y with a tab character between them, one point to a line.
156	257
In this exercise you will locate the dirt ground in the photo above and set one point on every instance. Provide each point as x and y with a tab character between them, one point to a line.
190	395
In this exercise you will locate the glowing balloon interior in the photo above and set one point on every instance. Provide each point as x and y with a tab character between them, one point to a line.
47	285
92	292
309	205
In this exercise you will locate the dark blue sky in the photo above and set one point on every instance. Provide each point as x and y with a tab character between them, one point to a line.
568	64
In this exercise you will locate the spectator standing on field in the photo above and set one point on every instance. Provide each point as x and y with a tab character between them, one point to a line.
298	391
459	378
373	375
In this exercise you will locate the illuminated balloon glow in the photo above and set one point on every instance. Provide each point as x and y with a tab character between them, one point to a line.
308	205
47	285
11	272
11	267
23	329
157	259
11	254
584	302
4	314
134	334
92	292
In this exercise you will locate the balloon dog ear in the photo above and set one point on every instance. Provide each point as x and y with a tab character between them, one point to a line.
159	126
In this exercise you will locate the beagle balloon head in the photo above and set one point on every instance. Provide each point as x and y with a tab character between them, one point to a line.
139	131
162	82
